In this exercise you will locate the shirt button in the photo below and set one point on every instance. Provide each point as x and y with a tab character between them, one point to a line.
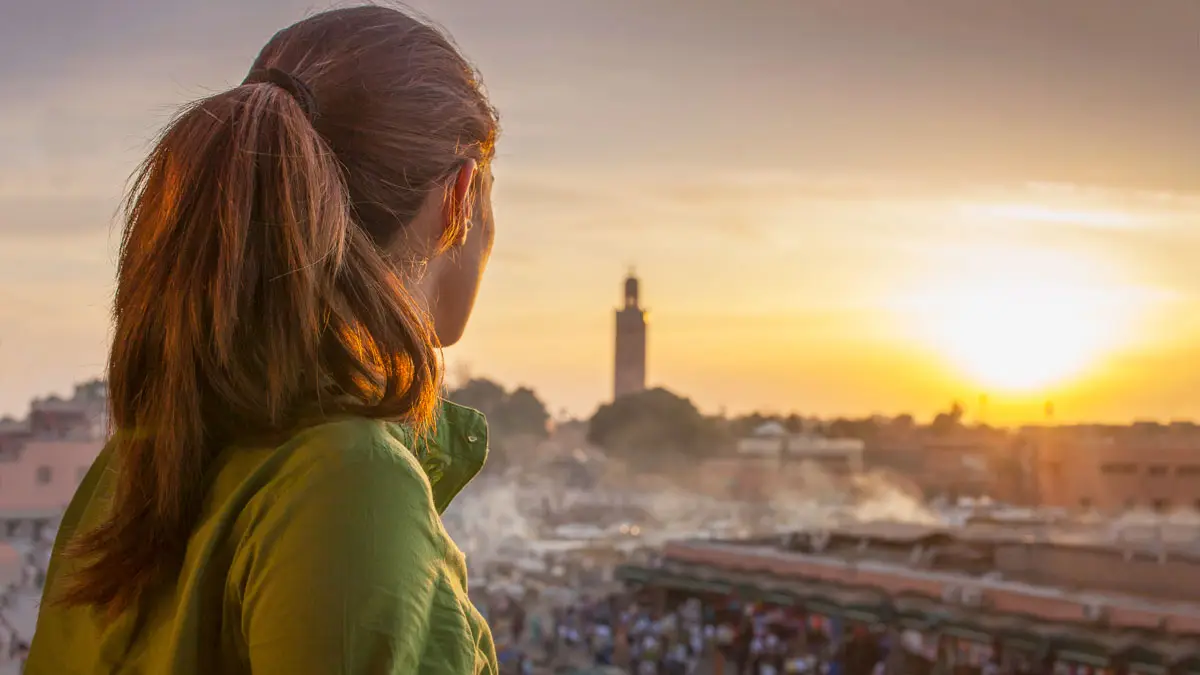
472	439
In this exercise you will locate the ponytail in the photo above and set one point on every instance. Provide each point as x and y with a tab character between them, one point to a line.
249	303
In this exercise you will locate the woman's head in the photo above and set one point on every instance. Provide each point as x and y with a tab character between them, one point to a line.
287	258
406	117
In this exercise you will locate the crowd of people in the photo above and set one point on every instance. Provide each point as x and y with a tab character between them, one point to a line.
641	635
19	598
692	637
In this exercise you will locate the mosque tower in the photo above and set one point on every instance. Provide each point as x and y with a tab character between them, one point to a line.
629	367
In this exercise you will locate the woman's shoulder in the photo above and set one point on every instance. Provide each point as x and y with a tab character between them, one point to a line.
355	455
326	482
350	442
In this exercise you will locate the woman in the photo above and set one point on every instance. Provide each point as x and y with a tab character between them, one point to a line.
296	250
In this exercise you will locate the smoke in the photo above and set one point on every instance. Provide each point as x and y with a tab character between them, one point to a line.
514	517
682	501
820	499
490	520
510	517
458	374
882	496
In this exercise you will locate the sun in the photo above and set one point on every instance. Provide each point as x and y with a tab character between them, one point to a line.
1017	339
1007	308
1021	337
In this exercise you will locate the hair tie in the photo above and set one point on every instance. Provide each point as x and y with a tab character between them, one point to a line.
293	85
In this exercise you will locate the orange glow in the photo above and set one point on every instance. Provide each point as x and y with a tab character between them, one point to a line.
1020	322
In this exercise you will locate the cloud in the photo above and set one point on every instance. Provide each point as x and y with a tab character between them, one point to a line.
46	218
988	92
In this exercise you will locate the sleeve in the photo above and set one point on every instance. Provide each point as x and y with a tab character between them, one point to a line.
341	572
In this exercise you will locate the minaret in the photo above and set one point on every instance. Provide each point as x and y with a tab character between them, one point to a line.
629	368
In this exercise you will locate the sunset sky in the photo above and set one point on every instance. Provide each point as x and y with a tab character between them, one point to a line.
836	206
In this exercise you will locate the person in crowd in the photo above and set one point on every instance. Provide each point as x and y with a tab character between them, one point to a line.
537	633
296	250
602	643
518	619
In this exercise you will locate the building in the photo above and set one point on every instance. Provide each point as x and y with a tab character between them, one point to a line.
1037	571
45	456
84	416
837	456
39	483
772	461
13	436
956	462
43	459
1110	470
629	363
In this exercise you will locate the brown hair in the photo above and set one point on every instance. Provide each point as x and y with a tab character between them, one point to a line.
254	294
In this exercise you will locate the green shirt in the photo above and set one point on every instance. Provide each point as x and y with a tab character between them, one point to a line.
322	556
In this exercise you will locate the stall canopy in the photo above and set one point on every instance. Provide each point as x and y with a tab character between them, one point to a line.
1085	644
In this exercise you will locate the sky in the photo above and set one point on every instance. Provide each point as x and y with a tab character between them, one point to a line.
836	207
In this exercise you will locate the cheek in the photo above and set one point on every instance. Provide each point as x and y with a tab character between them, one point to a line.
487	241
459	280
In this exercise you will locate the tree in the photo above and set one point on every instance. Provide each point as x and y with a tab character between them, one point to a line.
863	429
509	414
653	425
950	420
483	395
746	424
522	412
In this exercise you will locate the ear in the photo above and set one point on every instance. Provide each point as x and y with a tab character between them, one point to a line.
458	204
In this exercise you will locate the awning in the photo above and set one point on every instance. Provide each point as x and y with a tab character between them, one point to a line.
1081	644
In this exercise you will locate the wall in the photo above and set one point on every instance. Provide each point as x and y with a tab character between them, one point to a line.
1048	603
762	445
45	474
751	477
1113	475
629	358
957	462
11	563
1101	570
11	443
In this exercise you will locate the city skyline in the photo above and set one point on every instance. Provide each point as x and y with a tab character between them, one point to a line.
840	210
